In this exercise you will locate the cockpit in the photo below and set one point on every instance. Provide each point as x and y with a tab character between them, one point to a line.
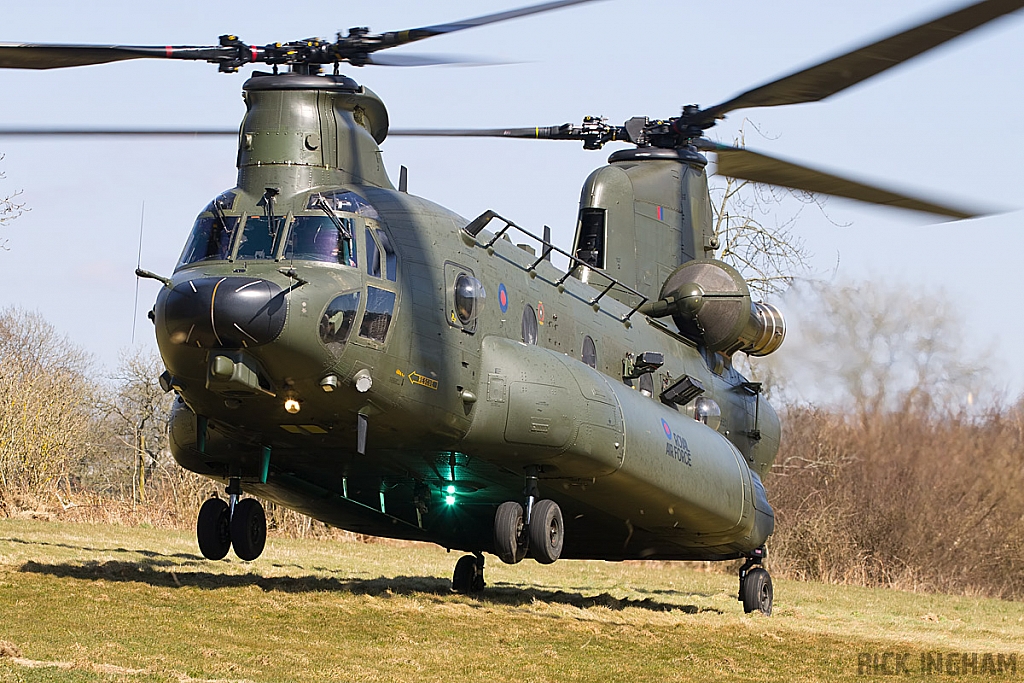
325	231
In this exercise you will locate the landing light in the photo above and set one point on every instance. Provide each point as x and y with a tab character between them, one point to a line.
292	406
450	489
449	500
363	381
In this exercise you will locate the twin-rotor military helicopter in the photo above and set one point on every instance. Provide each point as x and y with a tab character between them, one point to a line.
380	363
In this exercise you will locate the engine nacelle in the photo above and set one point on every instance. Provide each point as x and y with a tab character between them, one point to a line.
710	303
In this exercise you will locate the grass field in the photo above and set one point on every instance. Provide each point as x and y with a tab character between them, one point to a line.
98	603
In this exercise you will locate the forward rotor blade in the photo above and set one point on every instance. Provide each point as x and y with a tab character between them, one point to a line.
52	56
542	132
745	164
107	132
412	35
825	79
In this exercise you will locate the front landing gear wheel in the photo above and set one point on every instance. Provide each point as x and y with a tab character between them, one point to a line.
213	529
469	575
509	536
756	592
248	529
547	532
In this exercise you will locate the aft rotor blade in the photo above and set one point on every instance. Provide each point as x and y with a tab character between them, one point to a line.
52	56
412	35
745	164
109	132
825	79
388	59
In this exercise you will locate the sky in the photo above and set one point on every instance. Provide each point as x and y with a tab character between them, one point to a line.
945	125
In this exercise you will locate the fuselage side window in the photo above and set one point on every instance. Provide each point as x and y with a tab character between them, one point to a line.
529	325
647	384
589	352
590	247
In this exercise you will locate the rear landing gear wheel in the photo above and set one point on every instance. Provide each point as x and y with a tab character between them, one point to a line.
248	529
756	592
213	529
509	537
469	575
547	531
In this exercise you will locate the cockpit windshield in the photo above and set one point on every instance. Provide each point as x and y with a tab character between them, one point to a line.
210	239
213	233
318	238
344	201
259	237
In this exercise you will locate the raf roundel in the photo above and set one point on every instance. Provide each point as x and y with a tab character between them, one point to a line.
667	429
503	297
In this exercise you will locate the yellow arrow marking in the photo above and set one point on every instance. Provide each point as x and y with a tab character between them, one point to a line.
427	382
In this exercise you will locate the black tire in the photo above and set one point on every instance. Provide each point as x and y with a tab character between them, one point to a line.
213	529
468	576
757	592
248	529
509	539
547	531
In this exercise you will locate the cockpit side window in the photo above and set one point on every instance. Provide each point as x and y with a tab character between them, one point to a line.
380	307
372	255
318	238
390	257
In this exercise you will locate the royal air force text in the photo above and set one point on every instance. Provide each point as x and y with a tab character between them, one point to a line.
677	449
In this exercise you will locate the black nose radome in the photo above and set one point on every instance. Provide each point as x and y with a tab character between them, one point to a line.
224	312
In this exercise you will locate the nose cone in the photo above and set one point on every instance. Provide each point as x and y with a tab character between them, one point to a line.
224	312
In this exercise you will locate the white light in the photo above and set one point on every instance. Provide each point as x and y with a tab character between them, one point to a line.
363	381
451	488
449	500
292	406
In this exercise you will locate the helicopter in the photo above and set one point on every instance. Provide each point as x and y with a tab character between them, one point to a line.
378	362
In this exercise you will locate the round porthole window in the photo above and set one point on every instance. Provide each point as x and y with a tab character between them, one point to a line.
468	294
529	325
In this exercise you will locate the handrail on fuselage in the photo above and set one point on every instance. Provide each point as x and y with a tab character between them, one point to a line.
476	225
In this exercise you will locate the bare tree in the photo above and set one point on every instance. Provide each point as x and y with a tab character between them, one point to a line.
871	348
10	207
753	236
138	414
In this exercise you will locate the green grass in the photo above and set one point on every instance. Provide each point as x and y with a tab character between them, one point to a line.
96	603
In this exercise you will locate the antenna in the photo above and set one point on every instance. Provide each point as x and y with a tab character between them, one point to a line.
135	308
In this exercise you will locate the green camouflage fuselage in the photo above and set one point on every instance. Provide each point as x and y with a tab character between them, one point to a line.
457	406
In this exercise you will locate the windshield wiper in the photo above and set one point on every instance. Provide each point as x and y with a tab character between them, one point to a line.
322	204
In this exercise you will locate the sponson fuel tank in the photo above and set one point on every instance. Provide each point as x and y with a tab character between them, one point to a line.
544	408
